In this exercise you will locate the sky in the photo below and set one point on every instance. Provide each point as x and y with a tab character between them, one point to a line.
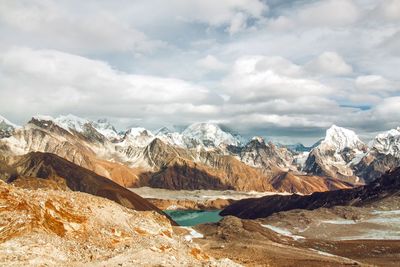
286	70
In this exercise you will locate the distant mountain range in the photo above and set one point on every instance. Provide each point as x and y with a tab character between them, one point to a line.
203	156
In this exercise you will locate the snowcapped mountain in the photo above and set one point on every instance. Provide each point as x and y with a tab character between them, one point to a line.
336	154
209	135
96	144
6	127
388	142
71	122
137	137
342	138
383	155
171	137
268	157
104	127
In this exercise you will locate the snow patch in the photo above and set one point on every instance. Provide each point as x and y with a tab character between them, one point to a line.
339	221
283	232
192	234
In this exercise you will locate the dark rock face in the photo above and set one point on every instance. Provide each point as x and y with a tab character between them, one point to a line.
385	186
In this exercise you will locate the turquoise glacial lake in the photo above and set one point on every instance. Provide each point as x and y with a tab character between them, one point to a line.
194	217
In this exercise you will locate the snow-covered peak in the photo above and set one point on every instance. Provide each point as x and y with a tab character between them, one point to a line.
71	122
341	138
170	137
138	137
138	131
388	142
104	127
209	134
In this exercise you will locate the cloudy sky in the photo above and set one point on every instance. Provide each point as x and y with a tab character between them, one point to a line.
282	69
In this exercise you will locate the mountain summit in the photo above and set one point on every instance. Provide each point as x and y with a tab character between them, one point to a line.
336	154
342	138
210	134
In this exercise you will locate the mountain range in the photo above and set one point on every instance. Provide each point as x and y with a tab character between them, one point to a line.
204	156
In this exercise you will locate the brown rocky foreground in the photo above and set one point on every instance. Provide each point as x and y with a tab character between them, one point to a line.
46	227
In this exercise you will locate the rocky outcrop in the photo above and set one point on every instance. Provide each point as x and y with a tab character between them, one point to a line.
383	187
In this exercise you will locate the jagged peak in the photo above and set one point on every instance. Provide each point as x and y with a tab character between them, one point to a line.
71	122
341	138
67	122
206	132
138	131
390	133
387	142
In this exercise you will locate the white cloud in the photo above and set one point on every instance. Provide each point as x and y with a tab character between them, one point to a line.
48	81
329	63
329	13
257	78
238	23
53	24
211	63
375	84
389	9
217	13
389	110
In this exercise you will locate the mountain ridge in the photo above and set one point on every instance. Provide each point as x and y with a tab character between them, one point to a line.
129	158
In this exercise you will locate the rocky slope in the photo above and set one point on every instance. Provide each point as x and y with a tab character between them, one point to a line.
385	186
41	227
